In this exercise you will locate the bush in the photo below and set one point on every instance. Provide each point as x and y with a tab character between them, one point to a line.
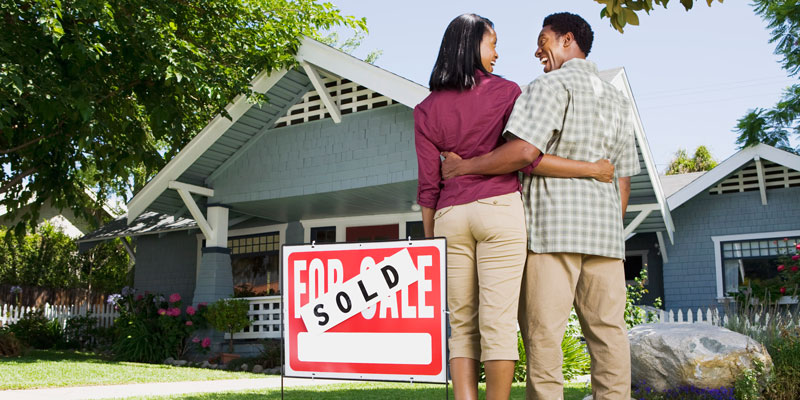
151	328
784	384
83	332
229	315
10	346
36	331
635	315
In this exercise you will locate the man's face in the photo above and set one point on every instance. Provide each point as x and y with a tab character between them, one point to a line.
550	49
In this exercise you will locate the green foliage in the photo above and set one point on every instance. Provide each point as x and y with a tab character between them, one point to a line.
351	44
636	315
151	328
748	384
34	330
49	258
775	126
10	346
682	163
624	12
785	380
83	332
229	315
101	94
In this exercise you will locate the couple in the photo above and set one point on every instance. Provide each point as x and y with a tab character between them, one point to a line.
573	248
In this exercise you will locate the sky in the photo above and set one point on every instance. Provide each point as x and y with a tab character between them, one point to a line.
693	74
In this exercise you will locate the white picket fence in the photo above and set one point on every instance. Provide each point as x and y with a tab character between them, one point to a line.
105	313
708	316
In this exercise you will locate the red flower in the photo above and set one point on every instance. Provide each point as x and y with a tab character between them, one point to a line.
203	304
174	312
783	290
796	257
189	323
206	342
795	269
174	298
195	340
139	297
781	268
797	246
162	311
190	310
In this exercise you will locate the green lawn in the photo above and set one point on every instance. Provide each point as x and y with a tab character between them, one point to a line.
50	368
363	391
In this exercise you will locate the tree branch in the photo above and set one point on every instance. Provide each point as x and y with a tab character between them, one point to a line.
28	143
17	179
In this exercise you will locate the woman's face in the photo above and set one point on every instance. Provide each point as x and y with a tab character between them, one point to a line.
488	52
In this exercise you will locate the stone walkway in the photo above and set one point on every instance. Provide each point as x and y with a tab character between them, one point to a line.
157	389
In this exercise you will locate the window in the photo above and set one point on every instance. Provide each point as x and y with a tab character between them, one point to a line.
415	230
326	234
635	262
744	261
255	264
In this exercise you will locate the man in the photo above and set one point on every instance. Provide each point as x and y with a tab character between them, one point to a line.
576	246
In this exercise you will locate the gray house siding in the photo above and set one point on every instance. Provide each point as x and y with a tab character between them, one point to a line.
368	148
690	275
167	264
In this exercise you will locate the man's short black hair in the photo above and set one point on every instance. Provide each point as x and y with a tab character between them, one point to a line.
564	22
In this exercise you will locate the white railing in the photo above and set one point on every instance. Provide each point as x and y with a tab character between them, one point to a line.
105	313
265	319
709	316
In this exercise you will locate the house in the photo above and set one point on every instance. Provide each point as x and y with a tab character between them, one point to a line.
63	219
731	224
330	158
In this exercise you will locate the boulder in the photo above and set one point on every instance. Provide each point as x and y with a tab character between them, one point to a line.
257	369
169	361
244	367
180	363
671	355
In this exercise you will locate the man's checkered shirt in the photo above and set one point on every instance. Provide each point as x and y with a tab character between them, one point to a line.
572	113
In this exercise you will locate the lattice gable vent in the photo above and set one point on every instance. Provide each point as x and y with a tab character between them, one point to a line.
746	179
349	96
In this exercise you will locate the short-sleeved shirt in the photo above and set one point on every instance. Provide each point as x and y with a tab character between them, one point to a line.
572	113
469	123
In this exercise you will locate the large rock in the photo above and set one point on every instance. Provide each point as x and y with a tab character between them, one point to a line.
668	356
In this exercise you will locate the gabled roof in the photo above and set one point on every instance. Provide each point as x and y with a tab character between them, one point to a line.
222	139
674	183
147	223
730	166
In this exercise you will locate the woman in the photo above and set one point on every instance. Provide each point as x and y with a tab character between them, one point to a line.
481	216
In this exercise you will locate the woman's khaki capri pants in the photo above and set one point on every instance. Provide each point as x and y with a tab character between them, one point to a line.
486	250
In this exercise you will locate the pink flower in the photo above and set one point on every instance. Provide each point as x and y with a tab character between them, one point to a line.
795	269
189	323
195	339
781	268
203	304
783	290
190	310
140	297
206	343
174	298
162	311
174	312
796	257
797	246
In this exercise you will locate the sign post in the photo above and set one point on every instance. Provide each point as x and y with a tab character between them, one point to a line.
365	311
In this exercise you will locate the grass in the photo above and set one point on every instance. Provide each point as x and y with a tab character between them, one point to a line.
51	368
363	391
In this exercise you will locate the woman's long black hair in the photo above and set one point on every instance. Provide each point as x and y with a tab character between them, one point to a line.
460	53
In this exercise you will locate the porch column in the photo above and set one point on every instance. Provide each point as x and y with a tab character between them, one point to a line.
214	275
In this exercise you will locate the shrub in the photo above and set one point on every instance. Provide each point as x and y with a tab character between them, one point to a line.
10	346
83	332
36	331
635	315
784	384
229	315
151	328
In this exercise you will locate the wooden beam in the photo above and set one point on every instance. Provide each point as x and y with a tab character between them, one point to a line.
196	213
762	185
203	191
322	91
637	221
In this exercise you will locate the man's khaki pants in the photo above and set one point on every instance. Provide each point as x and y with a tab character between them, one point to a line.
551	284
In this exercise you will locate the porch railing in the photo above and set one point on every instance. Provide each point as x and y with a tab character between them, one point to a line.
265	319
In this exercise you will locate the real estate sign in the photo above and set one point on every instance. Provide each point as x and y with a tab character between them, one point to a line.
372	311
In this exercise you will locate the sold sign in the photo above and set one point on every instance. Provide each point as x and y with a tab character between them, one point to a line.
365	311
366	289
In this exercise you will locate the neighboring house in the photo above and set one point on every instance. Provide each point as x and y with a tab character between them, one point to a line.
64	220
330	158
730	225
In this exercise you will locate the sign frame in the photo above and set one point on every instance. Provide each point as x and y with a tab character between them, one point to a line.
356	370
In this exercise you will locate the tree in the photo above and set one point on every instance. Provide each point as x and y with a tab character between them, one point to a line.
682	164
776	125
100	94
623	12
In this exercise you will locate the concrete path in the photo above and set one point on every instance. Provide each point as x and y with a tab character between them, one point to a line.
157	389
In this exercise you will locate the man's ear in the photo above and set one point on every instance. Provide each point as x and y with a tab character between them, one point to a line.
568	38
